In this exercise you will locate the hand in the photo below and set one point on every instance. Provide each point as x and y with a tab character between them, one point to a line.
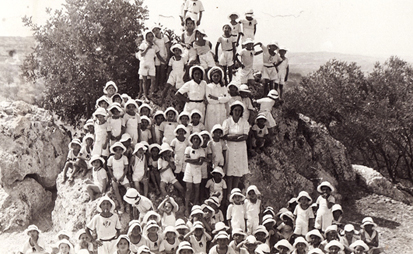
242	66
99	243
114	180
104	145
198	23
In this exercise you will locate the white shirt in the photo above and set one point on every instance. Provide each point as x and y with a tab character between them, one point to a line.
106	228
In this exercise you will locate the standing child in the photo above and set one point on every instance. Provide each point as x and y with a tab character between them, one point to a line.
217	147
117	168
252	208
145	131
156	126
176	70
163	44
269	72
194	9
304	214
249	26
245	94
217	96
233	96
167	127
74	146
283	69
100	177
139	168
187	39
106	226
167	209
132	120
153	166
194	158
183	119
166	168
266	105
228	50
217	185
116	122
247	61
196	121
314	238
206	166
109	90
235	27
170	243
145	110
203	49
198	237
236	214
153	235
325	202
179	145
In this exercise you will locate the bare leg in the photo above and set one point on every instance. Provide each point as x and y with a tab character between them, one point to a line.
137	186
187	197
235	182
117	194
196	195
225	74
145	86
179	187
163	189
229	183
153	87
281	91
230	73
66	167
145	187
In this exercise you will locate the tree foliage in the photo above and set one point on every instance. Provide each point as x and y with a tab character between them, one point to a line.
82	47
371	114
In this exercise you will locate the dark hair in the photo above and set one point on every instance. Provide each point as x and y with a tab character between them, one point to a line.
232	108
194	69
116	95
220	74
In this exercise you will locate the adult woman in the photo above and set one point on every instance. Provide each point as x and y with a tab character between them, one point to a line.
236	130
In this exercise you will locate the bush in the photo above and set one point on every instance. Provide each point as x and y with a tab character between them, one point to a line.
82	47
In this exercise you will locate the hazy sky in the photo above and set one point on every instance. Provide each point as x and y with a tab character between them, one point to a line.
368	27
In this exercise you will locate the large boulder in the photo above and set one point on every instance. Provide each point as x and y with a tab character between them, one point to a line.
32	154
378	184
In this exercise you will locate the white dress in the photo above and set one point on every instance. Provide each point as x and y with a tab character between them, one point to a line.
236	156
101	132
324	216
216	111
131	123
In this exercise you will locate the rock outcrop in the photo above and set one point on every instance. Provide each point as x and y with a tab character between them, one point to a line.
378	184
32	154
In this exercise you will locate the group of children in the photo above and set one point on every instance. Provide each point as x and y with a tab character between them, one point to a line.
302	227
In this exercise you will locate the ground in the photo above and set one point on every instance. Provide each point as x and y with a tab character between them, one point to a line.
394	220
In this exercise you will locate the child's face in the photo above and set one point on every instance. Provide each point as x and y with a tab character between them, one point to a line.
127	143
334	250
233	90
168	208
198	232
238	238
315	240
217	177
89	142
115	112
170	235
249	18
227	30
170	116
207	213
260	236
145	111
181	231
336	215
131	109
33	234
282	52
96	163
144	124
237	199
100	118
157	32
123	245
140	152
136	231
252	195
155	152
261	122
249	46
217	134
190	25
91	128
84	238
149	37
283	250
222	242
139	40
153	230
184	120
177	52
205	138
118	151
272	48
76	147
368	228
332	235
216	77
103	104
349	234
64	248
197	75
181	133
195	119
233	17
251	247
300	246
196	142
325	190
118	100
359	250
199	35
105	206
185	252
159	119
110	90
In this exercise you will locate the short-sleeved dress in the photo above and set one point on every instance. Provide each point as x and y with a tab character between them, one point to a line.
216	111
324	216
131	124
236	156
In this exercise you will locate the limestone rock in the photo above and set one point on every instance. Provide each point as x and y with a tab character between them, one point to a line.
378	184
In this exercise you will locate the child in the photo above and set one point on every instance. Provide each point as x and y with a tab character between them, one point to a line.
236	214
139	168
333	247
260	133
196	123
325	202
141	203
283	69
135	236
102	131
261	234
182	228
252	208
337	215
283	247
89	127
238	237
126	140
233	96
118	167
185	248
167	127
314	238
228	50
235	27
348	238
103	102
286	228
198	237
269	72
194	158
148	51
35	243
109	90
266	105
304	214
194	9
176	69
206	165
116	122
183	119
106	225
123	245
216	184
145	132
359	247
132	120
152	233
100	178
74	151
187	39
65	247
268	222
166	167
250	244
247	61
145	110
163	44
153	166
222	240
245	95
203	50
82	162
118	99
370	235
217	97
331	233
217	147
170	243
167	209
249	26
300	245
83	241
156	131
179	145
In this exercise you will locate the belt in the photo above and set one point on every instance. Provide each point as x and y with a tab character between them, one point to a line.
197	101
228	50
107	240
271	66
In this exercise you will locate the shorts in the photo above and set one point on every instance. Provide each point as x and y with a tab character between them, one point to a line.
118	175
168	177
226	58
147	69
207	60
137	175
107	247
193	175
269	73
176	79
246	74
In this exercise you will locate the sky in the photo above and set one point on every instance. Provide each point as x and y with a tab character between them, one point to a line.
369	27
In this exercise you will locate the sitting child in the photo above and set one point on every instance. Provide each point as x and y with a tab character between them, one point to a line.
100	178
74	151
